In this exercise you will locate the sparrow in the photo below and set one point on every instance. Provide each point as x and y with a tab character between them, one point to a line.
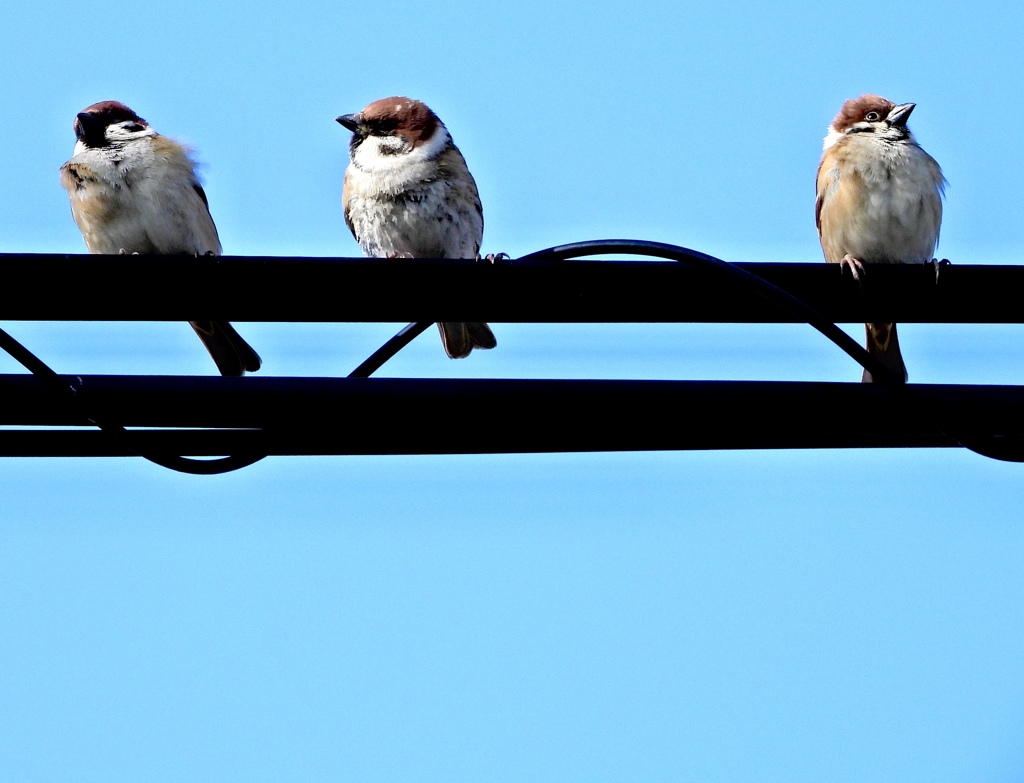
879	201
409	194
134	191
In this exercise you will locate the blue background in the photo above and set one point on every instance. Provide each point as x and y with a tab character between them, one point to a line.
769	616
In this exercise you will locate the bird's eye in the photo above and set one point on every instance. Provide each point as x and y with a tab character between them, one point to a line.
133	127
872	116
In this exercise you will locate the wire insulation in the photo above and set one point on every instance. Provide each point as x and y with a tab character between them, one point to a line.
71	392
1006	450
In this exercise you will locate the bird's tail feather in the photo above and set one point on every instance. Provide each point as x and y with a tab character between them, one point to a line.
884	345
461	338
231	354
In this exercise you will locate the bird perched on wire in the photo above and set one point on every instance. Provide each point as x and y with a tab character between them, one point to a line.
409	194
134	191
879	201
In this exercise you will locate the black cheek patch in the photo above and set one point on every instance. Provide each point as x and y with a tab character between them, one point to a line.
94	138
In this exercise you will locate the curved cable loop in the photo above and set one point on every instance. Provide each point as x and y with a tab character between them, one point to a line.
993	447
767	290
70	394
987	446
990	446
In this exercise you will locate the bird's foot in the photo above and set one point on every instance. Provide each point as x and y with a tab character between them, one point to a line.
856	267
123	252
396	254
493	258
938	266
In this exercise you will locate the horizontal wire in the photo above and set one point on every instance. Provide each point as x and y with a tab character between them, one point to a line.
71	393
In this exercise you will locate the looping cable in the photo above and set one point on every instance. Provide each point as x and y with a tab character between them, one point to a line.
1004	449
72	394
69	392
769	291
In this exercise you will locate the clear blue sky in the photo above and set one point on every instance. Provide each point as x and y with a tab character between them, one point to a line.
768	616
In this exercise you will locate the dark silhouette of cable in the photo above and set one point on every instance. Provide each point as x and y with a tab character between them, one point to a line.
69	391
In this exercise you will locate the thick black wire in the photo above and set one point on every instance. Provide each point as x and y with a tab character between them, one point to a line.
1006	450
68	391
641	247
769	291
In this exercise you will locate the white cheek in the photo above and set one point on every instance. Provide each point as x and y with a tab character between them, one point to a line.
369	155
435	145
831	138
118	133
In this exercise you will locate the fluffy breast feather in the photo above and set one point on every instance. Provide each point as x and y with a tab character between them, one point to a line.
141	198
879	202
428	209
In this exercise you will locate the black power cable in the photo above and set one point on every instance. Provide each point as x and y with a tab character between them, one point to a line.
70	391
1007	450
404	336
770	291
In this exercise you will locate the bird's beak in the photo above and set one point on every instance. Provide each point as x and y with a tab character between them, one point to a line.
350	121
901	114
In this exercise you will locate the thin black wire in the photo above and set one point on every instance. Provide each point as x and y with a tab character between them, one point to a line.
404	336
598	247
769	291
68	391
1004	449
